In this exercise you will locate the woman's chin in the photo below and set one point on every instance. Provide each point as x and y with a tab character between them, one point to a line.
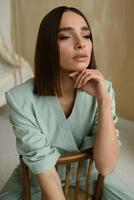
80	67
75	67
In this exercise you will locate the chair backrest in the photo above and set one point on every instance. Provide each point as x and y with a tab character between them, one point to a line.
75	191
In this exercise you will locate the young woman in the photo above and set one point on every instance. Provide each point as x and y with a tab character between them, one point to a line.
67	107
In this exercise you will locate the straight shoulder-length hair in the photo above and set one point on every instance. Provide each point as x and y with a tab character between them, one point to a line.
46	58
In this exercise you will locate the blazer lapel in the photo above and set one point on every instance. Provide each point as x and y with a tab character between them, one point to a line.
53	124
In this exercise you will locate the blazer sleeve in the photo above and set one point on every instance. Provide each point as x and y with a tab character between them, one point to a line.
89	140
31	143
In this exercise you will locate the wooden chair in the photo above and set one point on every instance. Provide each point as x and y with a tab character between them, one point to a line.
70	192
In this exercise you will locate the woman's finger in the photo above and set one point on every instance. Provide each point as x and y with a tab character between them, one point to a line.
84	74
73	74
91	76
78	78
81	79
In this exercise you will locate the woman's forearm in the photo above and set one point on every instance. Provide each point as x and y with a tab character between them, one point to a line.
106	148
50	185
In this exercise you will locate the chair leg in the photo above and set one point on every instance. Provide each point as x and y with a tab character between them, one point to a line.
26	181
99	185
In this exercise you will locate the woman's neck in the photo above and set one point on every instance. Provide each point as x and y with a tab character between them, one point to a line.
67	84
68	93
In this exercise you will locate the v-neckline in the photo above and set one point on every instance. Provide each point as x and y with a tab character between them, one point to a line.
73	107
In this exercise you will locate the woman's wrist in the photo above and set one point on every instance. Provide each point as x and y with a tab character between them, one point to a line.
104	101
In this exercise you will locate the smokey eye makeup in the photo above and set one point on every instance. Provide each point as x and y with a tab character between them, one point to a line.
66	33
63	37
86	36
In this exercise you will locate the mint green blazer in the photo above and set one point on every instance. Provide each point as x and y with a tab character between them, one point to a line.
42	130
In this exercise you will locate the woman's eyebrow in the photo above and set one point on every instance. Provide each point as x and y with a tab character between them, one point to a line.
66	29
83	28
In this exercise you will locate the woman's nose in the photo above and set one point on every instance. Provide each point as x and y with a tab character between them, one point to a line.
79	45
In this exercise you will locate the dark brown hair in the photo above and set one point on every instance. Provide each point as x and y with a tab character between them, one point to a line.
46	59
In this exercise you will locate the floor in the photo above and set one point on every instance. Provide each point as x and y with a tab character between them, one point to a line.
9	157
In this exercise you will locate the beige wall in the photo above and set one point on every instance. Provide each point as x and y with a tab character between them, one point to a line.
113	29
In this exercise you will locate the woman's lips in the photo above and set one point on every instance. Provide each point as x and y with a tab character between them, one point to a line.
80	57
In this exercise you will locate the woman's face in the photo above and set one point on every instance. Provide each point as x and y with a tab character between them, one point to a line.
74	42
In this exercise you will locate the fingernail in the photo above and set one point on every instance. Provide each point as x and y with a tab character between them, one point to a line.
78	86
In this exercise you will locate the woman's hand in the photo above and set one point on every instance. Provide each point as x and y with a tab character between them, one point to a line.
92	82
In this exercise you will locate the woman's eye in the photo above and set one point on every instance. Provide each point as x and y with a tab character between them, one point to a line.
87	36
62	37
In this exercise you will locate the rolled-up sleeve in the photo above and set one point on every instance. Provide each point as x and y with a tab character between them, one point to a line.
31	142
